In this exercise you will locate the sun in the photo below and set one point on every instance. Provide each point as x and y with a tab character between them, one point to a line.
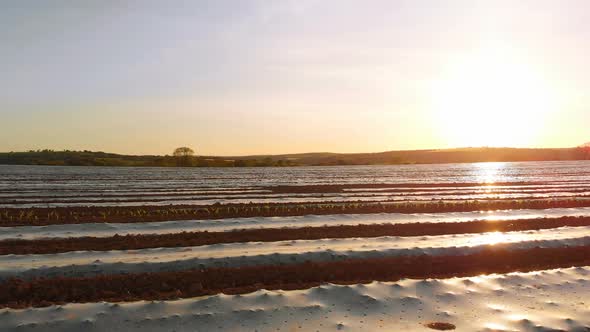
491	99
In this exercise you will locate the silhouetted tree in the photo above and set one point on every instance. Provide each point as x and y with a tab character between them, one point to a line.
183	156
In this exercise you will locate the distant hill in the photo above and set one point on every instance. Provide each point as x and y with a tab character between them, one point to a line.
90	158
585	145
463	155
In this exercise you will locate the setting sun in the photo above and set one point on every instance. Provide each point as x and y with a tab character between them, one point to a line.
491	98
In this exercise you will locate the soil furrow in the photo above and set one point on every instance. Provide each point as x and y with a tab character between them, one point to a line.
129	214
190	239
16	293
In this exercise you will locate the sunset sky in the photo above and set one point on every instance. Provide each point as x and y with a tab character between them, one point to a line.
252	77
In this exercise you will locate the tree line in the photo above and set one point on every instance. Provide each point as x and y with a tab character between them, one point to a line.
186	157
181	157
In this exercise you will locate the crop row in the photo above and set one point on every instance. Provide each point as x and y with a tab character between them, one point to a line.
188	239
126	214
17	293
147	198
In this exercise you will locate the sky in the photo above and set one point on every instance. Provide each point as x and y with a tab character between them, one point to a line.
267	77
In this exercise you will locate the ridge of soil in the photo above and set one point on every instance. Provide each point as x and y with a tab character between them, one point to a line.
127	214
41	292
189	239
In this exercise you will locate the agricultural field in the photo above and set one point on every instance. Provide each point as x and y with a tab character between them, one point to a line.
466	247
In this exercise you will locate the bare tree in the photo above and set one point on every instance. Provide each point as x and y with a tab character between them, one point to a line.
183	156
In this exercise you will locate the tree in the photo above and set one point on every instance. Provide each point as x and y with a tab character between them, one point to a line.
183	156
183	152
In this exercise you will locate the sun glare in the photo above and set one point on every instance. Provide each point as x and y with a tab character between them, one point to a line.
491	238
488	172
492	98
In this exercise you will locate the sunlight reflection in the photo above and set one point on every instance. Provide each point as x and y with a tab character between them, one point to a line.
516	317
489	172
477	279
497	307
491	238
496	327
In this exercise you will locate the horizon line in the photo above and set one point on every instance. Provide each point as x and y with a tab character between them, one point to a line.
310	152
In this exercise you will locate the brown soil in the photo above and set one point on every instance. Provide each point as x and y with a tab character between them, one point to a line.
317	189
337	188
124	214
187	239
441	326
16	293
147	198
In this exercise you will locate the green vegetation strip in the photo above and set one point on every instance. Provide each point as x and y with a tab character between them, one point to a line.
128	214
188	239
16	293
